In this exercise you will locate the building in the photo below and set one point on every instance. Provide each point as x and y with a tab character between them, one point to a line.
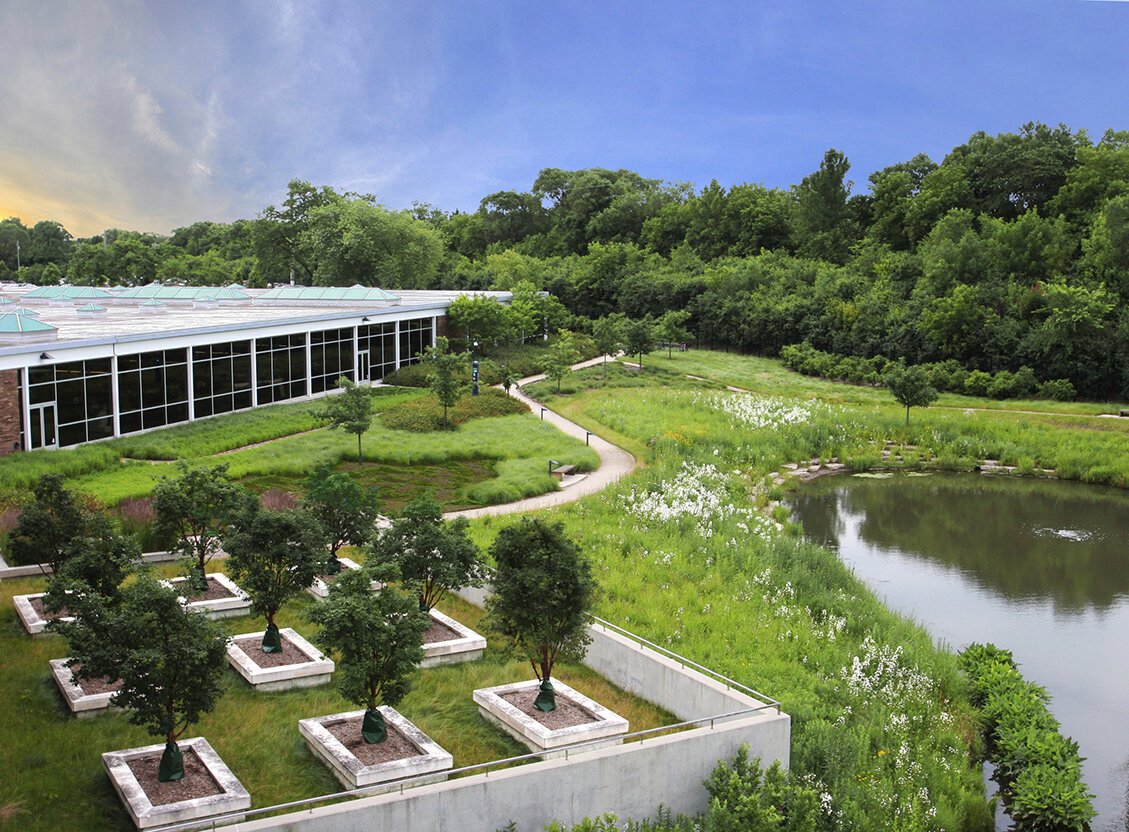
80	363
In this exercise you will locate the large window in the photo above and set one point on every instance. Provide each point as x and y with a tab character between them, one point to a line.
80	394
221	378
379	340
415	335
152	389
280	366
331	356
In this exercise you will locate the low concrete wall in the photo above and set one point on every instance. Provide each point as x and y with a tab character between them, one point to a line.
37	569
630	780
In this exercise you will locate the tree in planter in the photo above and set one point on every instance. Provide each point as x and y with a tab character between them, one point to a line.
274	555
377	638
542	587
351	411
170	661
443	377
429	552
48	525
96	563
638	337
607	332
197	508
346	511
911	387
557	365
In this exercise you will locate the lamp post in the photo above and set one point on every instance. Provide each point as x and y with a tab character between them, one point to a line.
552	464
474	369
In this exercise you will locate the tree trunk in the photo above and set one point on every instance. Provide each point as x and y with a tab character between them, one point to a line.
907	414
359	458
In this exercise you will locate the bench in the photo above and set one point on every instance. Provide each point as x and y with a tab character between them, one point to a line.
562	471
1123	413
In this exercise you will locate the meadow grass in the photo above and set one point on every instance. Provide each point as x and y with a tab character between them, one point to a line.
50	762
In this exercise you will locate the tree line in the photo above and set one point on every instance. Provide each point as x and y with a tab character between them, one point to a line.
1011	252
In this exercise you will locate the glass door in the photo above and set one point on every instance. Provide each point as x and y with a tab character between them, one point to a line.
362	366
43	421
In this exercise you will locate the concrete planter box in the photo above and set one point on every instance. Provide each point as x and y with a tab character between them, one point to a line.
33	622
232	797
608	726
467	647
316	671
320	589
82	704
237	604
353	774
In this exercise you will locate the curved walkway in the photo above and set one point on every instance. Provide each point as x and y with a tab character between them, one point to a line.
615	462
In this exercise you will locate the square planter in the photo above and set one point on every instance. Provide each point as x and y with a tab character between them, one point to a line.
30	617
464	646
604	725
229	794
236	603
81	703
320	589
353	773
245	654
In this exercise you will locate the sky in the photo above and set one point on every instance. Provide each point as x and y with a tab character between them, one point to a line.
151	116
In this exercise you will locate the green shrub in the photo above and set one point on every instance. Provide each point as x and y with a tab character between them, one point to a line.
424	414
1058	389
1047	798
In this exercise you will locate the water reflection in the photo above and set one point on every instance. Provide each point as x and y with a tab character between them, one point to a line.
1041	568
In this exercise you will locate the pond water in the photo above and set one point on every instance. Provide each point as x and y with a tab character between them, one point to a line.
1040	568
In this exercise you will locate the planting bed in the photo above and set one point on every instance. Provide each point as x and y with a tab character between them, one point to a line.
408	752
299	665
208	787
448	642
222	600
322	583
576	719
85	698
33	615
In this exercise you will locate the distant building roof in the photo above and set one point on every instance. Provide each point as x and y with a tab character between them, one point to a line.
328	293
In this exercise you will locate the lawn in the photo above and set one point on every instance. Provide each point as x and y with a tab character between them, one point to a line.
50	767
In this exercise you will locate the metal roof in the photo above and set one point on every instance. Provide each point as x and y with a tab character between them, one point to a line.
324	293
13	323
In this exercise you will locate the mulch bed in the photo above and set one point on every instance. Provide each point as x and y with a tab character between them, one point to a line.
328	579
290	654
438	631
197	782
567	714
216	591
396	747
89	687
44	613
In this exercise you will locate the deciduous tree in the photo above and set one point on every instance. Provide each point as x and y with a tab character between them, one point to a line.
350	410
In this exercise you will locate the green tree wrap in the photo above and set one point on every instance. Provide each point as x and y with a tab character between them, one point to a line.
332	566
373	727
172	763
199	580
546	698
272	641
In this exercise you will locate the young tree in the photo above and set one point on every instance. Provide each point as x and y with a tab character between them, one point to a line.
607	332
557	365
378	640
509	377
444	376
911	387
170	661
350	410
429	552
197	507
638	337
48	525
274	555
346	511
542	588
672	329
98	562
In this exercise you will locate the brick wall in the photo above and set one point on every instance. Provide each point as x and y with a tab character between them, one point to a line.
9	411
441	326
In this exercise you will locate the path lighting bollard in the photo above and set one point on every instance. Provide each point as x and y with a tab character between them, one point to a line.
542	414
552	463
587	436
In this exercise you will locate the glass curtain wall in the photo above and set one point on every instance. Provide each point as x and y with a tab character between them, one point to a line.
380	342
152	389
221	378
331	356
415	335
80	397
280	366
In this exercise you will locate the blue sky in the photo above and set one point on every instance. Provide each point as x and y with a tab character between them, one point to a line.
154	115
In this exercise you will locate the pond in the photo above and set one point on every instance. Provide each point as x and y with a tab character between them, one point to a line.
1038	567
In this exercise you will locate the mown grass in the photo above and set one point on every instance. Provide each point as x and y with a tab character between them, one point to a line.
50	762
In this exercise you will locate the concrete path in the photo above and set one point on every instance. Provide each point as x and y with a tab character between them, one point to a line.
615	462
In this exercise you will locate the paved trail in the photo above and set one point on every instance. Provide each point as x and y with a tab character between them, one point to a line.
615	462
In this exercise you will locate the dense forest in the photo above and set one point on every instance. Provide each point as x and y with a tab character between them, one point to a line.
1012	252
